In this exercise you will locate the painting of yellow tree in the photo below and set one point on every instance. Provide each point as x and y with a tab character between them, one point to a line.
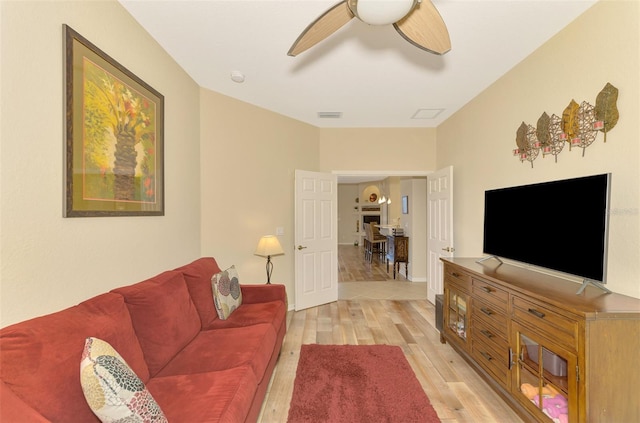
114	163
119	127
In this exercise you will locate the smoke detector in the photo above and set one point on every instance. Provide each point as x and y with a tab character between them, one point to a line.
237	76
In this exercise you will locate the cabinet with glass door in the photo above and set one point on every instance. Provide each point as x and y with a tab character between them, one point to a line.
456	317
545	379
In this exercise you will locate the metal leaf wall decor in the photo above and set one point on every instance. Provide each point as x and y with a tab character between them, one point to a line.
586	134
542	130
570	119
606	109
521	136
579	127
548	132
527	142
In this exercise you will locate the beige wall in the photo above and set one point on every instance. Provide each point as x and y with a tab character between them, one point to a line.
248	159
49	262
395	208
600	46
415	226
381	149
348	215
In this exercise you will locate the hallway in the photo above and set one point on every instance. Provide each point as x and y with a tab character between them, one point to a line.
359	279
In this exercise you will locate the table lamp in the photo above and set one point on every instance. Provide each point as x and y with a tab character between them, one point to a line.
269	246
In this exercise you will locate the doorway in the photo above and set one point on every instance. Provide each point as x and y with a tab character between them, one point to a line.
358	278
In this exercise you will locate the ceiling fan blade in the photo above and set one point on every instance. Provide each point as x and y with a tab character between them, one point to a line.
328	23
425	29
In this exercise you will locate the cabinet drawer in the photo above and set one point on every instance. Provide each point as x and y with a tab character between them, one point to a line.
490	293
495	316
457	284
494	361
554	325
490	335
459	278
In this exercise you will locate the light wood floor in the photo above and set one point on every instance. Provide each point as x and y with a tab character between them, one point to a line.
352	267
360	280
456	392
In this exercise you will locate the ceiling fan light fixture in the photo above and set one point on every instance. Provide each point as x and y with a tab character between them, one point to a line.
381	12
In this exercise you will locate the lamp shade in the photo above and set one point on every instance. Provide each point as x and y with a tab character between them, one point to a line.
381	12
269	246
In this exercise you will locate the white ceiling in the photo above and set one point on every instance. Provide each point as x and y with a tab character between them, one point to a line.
369	73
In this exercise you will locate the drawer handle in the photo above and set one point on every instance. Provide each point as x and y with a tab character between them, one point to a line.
487	311
536	313
457	275
487	356
486	333
486	289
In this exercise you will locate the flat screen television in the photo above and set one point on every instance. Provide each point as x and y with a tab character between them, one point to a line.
559	225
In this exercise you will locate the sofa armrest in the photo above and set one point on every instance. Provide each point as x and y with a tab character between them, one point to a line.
252	294
13	409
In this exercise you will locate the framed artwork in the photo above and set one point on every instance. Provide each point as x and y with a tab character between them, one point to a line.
405	204
114	163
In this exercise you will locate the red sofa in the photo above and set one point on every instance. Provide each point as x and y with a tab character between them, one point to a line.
197	367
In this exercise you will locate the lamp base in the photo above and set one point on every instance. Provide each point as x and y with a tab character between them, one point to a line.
269	270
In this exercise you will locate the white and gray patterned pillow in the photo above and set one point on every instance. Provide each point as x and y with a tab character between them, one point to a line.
227	295
112	390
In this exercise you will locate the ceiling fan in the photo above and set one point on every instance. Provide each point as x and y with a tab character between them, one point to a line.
417	21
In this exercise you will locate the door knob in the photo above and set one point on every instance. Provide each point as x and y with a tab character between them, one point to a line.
300	247
449	249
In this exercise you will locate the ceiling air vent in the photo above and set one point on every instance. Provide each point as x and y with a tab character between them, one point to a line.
426	113
329	115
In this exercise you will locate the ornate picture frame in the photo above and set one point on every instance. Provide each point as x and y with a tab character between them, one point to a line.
114	163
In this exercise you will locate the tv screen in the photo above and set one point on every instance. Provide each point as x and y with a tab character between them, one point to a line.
559	225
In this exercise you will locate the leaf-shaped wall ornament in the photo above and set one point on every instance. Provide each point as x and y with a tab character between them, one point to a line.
570	121
521	138
606	109
542	130
533	145
556	143
586	133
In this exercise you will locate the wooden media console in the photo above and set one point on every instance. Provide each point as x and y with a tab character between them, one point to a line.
528	333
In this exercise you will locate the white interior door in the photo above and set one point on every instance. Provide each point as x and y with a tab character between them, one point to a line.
440	227
316	239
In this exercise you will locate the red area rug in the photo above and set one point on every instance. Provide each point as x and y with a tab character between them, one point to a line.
357	383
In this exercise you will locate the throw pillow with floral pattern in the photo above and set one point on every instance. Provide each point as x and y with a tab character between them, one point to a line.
113	391
227	295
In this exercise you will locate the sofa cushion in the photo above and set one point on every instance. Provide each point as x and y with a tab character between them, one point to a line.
222	397
163	315
40	356
273	312
227	296
221	349
197	275
112	390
